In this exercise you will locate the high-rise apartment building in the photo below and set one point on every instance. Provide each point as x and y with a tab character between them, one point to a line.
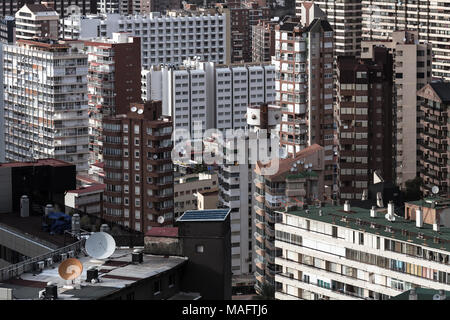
7	29
263	41
434	138
407	53
10	7
179	35
243	17
351	253
298	180
214	95
429	18
138	167
46	102
364	121
345	17
304	65
113	82
148	6
124	7
80	27
34	21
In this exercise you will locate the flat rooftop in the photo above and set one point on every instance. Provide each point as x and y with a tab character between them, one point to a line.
115	273
31	228
40	162
360	219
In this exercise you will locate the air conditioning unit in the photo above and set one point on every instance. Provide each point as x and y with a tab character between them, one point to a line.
291	275
71	254
49	262
63	256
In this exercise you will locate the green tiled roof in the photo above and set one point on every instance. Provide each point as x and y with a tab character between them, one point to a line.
360	219
301	175
422	294
441	202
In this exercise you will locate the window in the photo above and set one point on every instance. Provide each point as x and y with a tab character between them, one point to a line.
334	231
136	129
157	287
171	280
199	248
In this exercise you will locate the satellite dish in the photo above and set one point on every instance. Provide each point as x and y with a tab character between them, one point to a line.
435	190
100	245
437	296
140	111
160	219
70	269
155	156
133	109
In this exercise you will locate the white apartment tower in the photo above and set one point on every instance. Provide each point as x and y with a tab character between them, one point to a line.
429	18
345	17
215	95
177	36
46	103
349	253
34	21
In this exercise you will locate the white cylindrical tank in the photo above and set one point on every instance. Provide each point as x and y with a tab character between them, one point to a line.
24	206
347	206
48	209
76	223
373	212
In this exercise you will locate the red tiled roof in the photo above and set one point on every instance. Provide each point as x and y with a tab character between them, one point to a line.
93	188
99	164
162	232
87	179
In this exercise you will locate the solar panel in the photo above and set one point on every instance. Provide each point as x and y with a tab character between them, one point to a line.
205	215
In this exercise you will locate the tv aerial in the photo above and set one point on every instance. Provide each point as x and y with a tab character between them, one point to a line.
100	245
70	269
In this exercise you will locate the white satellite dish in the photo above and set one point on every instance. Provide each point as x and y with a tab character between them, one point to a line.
133	109
140	111
437	296
160	219
100	245
435	190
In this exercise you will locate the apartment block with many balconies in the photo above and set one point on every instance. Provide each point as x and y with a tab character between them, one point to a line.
364	121
298	181
433	137
407	53
113	82
430	18
34	21
138	167
46	102
350	253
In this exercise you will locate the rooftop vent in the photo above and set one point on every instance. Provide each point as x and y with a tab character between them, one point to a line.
320	213
373	212
92	274
413	294
137	256
347	206
419	218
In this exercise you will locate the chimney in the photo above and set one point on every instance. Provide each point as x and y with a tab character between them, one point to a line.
347	206
419	218
413	294
391	208
373	213
436	226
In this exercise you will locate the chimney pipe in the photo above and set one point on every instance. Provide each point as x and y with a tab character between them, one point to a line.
419	218
413	294
391	208
347	206
373	213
